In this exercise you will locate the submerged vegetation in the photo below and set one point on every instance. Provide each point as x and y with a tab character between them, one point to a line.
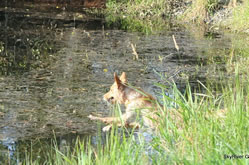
212	126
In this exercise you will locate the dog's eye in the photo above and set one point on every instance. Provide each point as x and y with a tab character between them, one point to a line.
111	98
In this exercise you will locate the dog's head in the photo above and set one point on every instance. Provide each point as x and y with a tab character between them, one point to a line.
117	90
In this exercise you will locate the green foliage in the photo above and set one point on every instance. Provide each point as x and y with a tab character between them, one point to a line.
200	10
240	18
146	15
238	56
214	126
118	149
139	15
212	6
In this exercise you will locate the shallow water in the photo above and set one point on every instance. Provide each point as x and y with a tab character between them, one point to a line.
54	72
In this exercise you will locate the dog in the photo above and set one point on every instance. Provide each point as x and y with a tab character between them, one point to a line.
138	104
141	107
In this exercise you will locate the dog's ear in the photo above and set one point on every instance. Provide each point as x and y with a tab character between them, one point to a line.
117	80
123	78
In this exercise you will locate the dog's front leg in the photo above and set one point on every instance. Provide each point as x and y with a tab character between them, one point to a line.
133	125
123	121
107	128
107	120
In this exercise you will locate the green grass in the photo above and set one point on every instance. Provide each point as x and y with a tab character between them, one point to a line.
144	16
238	55
208	126
199	10
118	149
208	132
149	16
240	18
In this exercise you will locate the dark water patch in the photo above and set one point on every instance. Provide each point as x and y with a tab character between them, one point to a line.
28	38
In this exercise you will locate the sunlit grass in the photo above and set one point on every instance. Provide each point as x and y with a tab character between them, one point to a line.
200	10
240	19
214	125
148	16
117	149
144	16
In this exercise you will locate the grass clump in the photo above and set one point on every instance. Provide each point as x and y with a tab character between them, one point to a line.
140	15
231	14
240	18
200	10
238	56
148	16
213	126
118	148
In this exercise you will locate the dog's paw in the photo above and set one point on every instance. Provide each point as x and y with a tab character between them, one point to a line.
107	128
91	117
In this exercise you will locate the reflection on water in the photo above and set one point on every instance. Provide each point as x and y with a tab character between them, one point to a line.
54	75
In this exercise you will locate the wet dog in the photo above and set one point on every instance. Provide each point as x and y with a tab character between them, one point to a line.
138	105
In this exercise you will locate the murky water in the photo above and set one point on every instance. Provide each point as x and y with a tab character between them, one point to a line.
54	71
